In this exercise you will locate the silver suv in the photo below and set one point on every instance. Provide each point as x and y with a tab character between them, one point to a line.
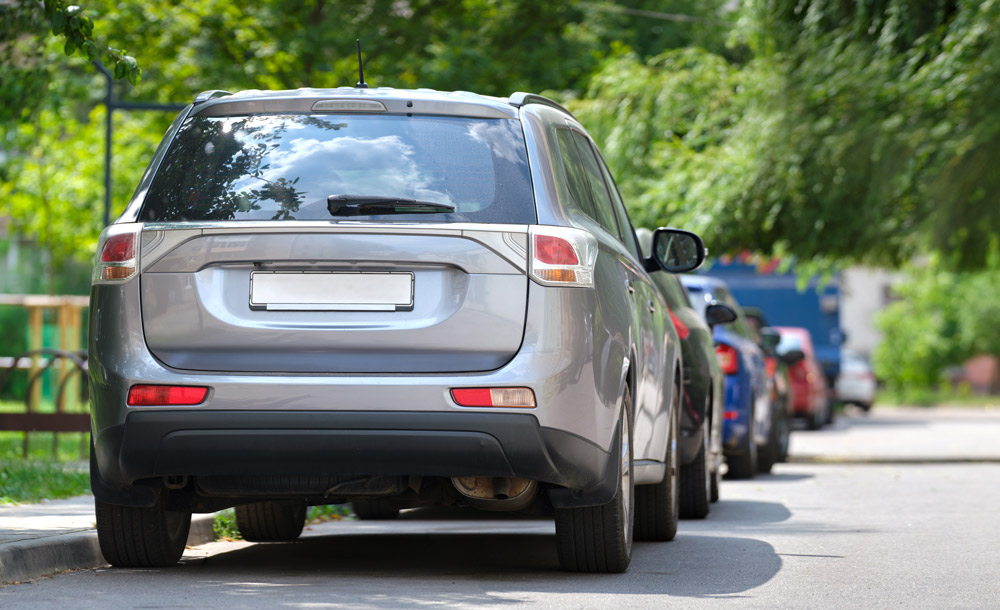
393	298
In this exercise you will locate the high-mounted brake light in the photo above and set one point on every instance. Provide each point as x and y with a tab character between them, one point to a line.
494	397
165	395
117	254
729	359
562	256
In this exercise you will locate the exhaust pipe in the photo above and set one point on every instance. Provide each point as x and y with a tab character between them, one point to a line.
496	493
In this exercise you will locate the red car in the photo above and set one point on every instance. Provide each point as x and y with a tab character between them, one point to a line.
809	393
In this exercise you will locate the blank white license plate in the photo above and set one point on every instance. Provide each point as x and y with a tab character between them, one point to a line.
330	291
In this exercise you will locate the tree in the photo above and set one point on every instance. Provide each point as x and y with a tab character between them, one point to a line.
859	131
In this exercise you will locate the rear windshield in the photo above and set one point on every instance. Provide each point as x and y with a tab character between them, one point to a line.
285	166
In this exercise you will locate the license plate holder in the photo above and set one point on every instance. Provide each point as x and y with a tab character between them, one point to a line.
331	290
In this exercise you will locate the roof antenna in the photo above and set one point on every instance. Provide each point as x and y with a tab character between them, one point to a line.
361	70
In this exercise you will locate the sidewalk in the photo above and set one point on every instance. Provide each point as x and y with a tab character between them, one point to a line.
41	539
903	435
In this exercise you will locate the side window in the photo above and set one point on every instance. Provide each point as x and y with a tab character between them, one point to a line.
599	190
628	232
573	170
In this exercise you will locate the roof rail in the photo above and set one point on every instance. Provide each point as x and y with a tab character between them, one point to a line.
204	96
520	98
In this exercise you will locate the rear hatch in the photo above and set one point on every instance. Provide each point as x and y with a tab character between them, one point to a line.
260	251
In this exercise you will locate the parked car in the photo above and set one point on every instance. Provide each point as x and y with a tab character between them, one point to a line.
809	390
750	441
856	382
385	296
778	380
701	405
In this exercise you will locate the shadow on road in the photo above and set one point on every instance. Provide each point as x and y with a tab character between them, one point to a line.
449	570
747	512
784	477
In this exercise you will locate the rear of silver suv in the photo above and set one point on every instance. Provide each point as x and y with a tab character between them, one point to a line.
347	295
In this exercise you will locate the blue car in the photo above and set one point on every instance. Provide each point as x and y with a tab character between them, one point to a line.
747	431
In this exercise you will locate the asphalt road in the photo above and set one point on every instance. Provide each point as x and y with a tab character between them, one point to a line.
912	527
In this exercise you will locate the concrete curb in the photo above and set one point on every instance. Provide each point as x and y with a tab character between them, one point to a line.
848	459
30	559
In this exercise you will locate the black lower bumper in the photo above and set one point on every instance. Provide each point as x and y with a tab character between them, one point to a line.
150	445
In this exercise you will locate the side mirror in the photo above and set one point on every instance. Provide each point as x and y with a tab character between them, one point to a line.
770	339
676	251
717	313
793	356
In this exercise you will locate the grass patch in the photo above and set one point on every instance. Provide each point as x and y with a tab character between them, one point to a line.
935	398
32	480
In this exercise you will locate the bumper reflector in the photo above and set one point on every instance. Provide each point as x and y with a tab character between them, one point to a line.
165	395
494	397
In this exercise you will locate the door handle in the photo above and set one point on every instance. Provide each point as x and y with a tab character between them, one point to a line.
628	286
650	306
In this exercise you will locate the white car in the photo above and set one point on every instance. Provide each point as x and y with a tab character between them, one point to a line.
856	382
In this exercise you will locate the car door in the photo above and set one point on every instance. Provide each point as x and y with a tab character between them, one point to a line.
654	337
627	281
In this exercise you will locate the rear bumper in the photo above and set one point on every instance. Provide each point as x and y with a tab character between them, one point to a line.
133	457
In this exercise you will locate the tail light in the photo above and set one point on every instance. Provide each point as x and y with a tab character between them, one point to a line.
798	372
730	415
494	397
117	254
729	359
770	366
562	256
165	395
682	330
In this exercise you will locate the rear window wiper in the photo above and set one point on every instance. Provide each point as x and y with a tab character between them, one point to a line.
362	205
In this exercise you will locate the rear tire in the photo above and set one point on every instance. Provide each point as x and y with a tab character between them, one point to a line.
744	465
374	510
815	419
716	482
271	521
770	453
135	537
599	538
696	484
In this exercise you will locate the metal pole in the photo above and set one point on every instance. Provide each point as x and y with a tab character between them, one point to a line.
110	104
109	108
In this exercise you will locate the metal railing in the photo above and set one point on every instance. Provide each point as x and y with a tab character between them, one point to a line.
61	421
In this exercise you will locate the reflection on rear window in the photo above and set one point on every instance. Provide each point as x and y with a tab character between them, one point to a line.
283	167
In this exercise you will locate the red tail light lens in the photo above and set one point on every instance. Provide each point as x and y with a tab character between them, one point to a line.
730	415
165	395
682	329
770	366
553	250
118	248
729	359
494	397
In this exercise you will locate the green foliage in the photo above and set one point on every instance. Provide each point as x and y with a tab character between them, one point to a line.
858	132
77	28
31	481
943	318
329	512
224	525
